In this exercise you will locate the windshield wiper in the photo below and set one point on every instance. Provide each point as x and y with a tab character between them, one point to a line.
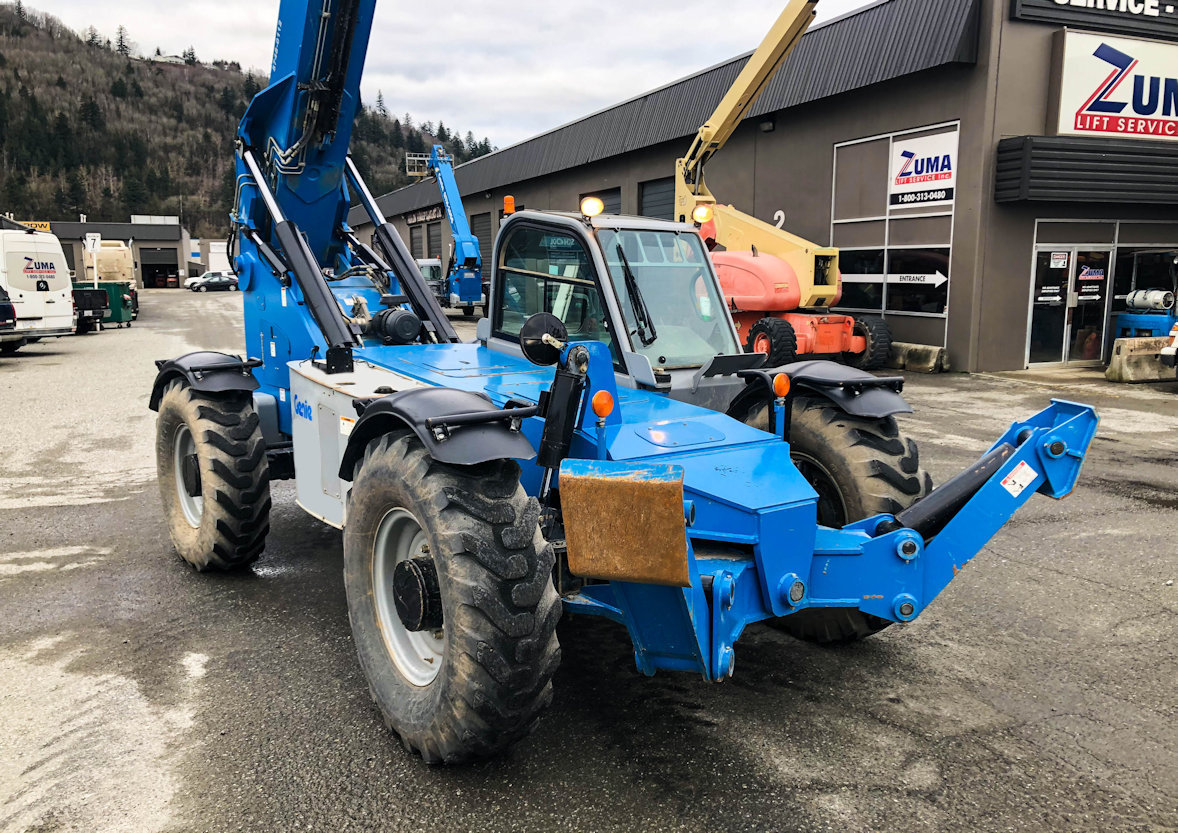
645	326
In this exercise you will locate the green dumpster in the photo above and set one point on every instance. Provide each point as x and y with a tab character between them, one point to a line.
122	310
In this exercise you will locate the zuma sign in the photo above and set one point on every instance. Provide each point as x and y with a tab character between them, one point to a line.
1147	18
923	171
1119	87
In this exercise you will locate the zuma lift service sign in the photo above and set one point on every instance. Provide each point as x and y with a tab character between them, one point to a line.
923	171
1118	87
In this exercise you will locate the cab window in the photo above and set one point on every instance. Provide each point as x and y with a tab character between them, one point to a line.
549	270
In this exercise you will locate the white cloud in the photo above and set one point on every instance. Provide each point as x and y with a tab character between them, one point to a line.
502	71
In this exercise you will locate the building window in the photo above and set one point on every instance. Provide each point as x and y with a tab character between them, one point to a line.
417	241
612	198
893	206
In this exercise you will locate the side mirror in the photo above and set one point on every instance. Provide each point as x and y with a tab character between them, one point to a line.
537	337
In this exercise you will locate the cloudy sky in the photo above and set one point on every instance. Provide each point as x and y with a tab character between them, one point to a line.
504	70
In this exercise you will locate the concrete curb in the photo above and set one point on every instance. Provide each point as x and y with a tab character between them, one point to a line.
918	358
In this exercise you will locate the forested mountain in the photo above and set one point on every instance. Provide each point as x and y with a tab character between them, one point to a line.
88	127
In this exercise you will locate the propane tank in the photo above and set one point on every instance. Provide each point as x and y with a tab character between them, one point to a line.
1150	299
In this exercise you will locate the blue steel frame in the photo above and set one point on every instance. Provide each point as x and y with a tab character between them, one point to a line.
466	273
755	549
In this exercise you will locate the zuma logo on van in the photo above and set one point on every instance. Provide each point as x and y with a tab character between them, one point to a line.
40	267
302	408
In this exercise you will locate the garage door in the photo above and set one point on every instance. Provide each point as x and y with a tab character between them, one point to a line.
612	199
657	198
417	242
480	227
161	257
435	241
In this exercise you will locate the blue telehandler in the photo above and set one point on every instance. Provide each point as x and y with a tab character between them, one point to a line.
461	284
603	447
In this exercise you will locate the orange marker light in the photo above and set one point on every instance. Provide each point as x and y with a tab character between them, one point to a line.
509	205
781	385
702	214
603	404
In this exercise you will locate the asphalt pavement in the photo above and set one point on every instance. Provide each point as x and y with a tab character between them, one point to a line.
1038	693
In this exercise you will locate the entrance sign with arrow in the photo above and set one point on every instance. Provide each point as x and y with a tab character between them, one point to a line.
936	279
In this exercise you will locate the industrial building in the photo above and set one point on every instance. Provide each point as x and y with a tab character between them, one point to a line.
998	174
159	245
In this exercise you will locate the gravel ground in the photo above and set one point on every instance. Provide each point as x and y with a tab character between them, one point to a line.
1037	694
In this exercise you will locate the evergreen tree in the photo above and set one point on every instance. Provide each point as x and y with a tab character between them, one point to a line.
381	109
398	135
443	134
92	38
21	14
189	56
118	88
91	113
122	44
250	87
60	83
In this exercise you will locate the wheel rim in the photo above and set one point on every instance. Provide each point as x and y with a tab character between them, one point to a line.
762	343
416	655
832	509
184	446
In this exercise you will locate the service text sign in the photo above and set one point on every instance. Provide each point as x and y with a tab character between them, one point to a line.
1120	87
923	171
1144	18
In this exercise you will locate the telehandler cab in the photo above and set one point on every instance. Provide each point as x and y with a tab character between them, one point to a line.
559	463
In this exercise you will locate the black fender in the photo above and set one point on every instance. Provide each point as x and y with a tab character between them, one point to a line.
855	392
206	372
466	445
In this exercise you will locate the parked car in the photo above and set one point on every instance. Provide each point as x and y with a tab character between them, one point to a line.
195	279
220	281
7	312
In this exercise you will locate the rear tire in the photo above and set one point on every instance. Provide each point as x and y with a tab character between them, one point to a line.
775	337
859	467
84	326
219	514
879	344
478	684
9	347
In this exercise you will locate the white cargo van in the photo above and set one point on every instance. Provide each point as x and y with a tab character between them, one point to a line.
34	273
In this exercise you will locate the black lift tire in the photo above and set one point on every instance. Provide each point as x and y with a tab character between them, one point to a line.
830	626
468	310
879	344
859	467
218	519
776	337
496	650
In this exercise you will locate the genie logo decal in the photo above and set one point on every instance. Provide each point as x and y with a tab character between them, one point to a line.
1119	87
303	410
40	268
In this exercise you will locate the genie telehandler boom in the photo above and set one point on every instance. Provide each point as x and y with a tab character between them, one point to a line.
462	283
484	488
778	285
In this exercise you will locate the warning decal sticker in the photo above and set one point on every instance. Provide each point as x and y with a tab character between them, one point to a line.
1018	480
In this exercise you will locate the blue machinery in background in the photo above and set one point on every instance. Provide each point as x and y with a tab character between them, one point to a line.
464	272
686	524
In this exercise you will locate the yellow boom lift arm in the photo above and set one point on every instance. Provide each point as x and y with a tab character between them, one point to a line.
816	267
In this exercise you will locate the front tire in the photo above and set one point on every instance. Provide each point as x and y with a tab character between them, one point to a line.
775	337
468	311
879	344
214	478
477	685
859	467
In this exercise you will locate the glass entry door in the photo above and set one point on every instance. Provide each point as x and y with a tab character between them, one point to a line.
1070	306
